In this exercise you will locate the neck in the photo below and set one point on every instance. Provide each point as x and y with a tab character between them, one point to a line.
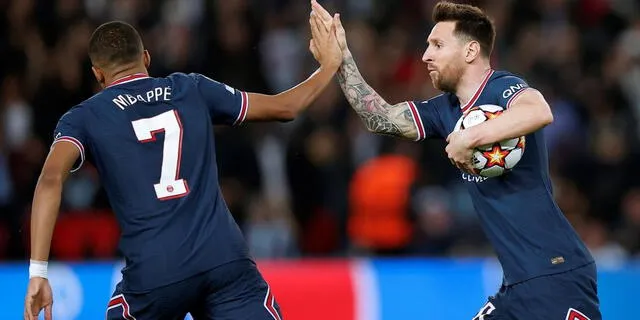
123	72
470	82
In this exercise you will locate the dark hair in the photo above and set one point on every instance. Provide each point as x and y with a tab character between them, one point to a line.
114	43
470	22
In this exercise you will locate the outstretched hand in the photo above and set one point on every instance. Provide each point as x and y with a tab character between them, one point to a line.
323	44
328	20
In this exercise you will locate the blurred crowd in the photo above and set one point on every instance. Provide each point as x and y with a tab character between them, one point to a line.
321	185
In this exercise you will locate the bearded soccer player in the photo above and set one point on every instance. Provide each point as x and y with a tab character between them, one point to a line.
548	271
153	145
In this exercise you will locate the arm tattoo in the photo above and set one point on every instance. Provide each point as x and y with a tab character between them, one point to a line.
378	115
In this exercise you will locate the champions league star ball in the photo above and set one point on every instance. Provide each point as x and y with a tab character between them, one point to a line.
495	159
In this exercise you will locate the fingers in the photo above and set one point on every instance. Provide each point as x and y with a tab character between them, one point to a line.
48	312
324	14
321	25
28	314
313	23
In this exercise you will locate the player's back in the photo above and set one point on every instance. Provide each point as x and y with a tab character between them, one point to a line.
152	142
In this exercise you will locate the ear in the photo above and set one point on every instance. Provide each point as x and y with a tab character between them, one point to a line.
99	74
147	58
472	51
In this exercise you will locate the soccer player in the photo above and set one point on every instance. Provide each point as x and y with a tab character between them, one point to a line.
152	141
548	271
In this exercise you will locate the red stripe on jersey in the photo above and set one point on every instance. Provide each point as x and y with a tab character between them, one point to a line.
121	301
78	145
417	120
478	92
244	107
131	77
270	304
514	96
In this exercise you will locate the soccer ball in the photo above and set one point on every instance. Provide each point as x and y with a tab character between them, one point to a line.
495	159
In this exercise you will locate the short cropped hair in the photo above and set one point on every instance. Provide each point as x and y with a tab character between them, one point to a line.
114	43
470	21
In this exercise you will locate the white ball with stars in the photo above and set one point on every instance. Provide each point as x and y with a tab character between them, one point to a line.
495	159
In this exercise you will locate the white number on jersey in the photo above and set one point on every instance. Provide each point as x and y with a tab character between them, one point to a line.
170	185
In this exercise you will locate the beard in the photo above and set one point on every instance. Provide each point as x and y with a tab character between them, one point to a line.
447	79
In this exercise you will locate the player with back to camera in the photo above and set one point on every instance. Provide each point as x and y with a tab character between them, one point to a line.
152	141
548	271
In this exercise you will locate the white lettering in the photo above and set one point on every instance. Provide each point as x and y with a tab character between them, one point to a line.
131	99
472	178
512	89
120	102
156	94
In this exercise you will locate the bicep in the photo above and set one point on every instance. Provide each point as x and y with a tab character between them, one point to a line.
61	159
531	102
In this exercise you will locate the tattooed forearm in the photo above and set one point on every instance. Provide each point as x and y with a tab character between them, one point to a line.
378	115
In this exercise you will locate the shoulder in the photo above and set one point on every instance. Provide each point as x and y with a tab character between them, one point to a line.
505	84
440	101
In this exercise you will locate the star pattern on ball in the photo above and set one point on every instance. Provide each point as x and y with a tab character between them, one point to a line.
495	156
491	115
521	143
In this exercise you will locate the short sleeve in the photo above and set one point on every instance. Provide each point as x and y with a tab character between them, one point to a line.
70	129
507	89
427	119
226	104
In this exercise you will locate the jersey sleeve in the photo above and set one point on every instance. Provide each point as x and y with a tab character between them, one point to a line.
507	89
226	104
427	119
70	129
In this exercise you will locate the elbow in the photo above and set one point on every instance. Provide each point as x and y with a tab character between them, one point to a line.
287	114
546	117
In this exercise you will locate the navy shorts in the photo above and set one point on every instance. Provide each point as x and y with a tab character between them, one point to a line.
571	295
235	290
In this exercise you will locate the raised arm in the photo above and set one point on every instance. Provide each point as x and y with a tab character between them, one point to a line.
286	105
378	115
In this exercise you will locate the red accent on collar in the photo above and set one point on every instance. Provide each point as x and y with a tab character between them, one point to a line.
129	78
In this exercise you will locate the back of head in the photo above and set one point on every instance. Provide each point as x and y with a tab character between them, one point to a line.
470	21
114	44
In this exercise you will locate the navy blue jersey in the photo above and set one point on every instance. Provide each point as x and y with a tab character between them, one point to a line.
152	142
517	210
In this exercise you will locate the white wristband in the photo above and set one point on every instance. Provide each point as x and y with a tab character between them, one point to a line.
38	269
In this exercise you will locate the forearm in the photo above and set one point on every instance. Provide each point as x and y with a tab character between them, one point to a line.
46	203
514	122
298	98
378	115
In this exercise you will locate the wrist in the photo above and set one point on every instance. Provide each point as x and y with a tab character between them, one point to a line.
38	268
346	54
472	137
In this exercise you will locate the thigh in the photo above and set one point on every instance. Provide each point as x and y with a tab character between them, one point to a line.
238	292
166	303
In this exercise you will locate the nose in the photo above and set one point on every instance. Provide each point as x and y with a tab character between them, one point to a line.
426	56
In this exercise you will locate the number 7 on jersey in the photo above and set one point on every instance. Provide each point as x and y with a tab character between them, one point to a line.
170	185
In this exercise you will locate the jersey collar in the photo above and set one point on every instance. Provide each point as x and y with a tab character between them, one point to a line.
478	92
129	78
